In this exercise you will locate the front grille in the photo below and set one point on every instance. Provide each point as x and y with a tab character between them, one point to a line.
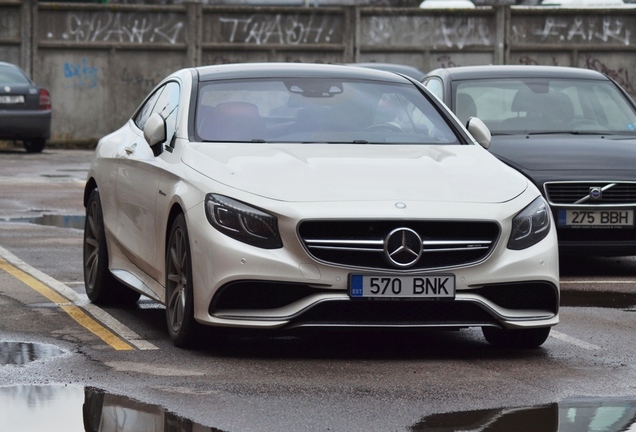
361	244
579	193
395	313
522	295
260	295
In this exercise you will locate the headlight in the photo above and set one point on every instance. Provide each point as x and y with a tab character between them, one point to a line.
242	222
530	226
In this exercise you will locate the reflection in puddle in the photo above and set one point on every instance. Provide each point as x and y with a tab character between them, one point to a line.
614	300
20	353
71	408
571	415
61	221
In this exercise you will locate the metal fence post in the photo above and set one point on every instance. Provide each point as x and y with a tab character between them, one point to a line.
27	29
194	31
502	23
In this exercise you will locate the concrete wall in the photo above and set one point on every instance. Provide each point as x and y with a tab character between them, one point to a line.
100	60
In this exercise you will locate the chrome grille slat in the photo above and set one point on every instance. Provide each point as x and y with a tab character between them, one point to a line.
361	244
578	193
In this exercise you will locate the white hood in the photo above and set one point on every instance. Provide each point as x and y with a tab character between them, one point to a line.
358	172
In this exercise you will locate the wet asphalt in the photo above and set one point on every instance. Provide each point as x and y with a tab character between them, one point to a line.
320	382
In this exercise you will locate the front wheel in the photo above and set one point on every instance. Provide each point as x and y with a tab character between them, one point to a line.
35	145
518	338
179	294
101	286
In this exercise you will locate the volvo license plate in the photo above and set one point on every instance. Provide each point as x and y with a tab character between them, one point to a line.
615	218
440	286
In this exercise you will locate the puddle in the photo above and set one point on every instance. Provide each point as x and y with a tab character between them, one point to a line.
20	353
64	408
61	221
613	300
571	415
74	408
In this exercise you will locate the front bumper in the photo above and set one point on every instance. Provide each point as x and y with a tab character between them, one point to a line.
236	285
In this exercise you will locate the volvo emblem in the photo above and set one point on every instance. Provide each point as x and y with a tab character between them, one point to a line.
596	193
7	89
403	247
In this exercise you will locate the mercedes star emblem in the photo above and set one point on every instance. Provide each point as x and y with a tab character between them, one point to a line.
403	247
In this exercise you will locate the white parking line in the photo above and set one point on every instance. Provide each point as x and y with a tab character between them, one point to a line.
574	341
107	320
586	282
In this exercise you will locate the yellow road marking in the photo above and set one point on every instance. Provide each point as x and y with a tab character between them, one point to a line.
66	305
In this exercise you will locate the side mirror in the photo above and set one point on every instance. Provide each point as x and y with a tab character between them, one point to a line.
479	131
155	130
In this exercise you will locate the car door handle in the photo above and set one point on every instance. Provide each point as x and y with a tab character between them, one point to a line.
130	149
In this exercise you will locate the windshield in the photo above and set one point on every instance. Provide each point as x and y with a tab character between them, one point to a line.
510	106
317	110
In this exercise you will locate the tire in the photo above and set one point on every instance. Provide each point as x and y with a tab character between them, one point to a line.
522	339
182	327
101	286
34	145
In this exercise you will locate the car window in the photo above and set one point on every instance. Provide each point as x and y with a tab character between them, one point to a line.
311	110
164	101
167	105
435	86
546	105
12	75
145	111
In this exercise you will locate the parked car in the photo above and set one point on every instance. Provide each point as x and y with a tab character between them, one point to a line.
407	70
285	196
25	109
585	3
571	131
447	4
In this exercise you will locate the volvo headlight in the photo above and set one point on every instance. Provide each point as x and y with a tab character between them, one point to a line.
530	226
242	222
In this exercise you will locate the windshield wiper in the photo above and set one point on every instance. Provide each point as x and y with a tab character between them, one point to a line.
566	132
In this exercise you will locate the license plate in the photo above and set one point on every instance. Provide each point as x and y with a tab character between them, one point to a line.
407	286
596	218
12	99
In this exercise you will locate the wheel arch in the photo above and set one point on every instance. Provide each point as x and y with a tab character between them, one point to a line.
91	185
175	211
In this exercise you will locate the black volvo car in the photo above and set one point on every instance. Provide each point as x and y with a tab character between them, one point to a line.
571	131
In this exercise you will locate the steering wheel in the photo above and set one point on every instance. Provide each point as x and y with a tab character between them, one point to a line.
385	126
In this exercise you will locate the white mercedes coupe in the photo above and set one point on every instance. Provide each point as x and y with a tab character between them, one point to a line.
286	196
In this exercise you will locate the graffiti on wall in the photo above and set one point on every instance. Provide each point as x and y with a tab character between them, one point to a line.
445	31
122	28
528	60
620	75
279	29
578	29
81	74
